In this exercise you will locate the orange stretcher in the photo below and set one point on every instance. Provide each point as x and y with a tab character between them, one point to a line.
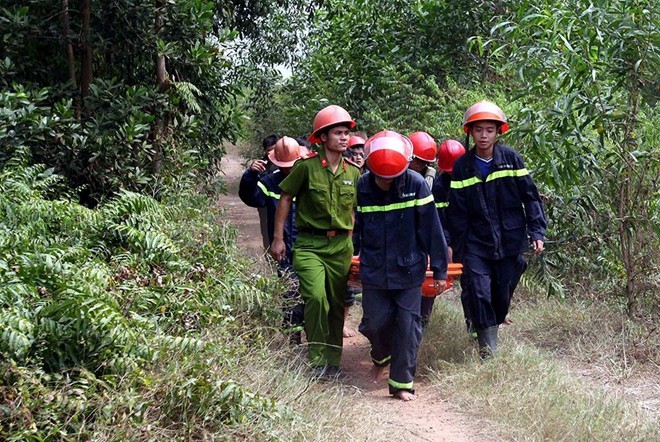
454	271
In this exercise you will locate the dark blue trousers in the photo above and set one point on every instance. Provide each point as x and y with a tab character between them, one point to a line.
392	323
491	286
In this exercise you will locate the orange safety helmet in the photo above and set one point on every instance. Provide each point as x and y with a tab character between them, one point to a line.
448	153
332	115
424	146
286	152
356	140
389	154
485	110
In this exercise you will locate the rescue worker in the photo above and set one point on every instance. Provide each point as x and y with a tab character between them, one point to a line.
355	154
264	191
398	230
448	152
494	210
356	150
324	186
424	152
268	144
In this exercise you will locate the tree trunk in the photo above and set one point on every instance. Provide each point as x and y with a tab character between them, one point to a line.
66	32
162	77
86	50
629	234
70	56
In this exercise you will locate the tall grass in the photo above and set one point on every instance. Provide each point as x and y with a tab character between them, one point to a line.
529	392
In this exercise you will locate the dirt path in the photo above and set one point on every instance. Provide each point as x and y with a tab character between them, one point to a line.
430	417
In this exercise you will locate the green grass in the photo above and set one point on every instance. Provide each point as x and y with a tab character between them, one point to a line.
528	391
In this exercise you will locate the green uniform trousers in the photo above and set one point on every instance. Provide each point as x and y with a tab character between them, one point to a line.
322	266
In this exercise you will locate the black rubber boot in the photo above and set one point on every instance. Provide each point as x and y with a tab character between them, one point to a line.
487	338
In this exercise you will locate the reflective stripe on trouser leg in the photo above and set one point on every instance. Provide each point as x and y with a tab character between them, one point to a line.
377	325
489	288
322	266
406	339
394	316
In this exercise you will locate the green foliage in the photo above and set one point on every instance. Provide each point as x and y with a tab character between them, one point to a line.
585	77
79	90
390	64
93	298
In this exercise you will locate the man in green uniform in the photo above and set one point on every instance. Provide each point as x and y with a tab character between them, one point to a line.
324	186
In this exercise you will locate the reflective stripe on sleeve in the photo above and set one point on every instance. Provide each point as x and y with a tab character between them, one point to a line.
396	206
400	385
268	192
509	173
442	205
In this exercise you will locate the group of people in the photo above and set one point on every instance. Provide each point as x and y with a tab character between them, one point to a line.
380	198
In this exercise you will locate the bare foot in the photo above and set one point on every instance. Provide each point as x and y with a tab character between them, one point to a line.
507	321
405	396
376	373
348	332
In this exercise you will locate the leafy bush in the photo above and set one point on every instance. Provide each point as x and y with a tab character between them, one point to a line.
94	298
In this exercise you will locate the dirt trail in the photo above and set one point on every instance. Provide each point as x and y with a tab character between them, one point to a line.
430	417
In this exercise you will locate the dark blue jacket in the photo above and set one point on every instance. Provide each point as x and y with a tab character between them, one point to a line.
440	191
493	217
398	230
265	192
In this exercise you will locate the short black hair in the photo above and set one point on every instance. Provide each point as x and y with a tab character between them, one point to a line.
270	141
303	140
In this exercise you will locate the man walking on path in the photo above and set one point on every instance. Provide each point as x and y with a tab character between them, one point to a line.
494	210
324	186
268	144
398	230
263	191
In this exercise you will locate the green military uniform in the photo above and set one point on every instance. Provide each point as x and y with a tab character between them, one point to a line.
323	249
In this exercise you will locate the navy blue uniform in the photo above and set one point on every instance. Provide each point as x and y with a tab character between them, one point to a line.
491	220
440	191
397	231
263	191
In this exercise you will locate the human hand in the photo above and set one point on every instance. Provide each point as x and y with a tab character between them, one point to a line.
439	286
538	246
277	249
258	166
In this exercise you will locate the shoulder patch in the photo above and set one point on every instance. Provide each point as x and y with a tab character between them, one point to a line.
310	155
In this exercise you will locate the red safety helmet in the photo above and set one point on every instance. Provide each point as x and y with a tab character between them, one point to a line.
286	152
389	154
356	141
390	133
332	115
448	153
485	110
424	146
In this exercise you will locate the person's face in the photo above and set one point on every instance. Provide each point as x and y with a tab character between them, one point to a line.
418	165
357	155
383	183
336	139
484	134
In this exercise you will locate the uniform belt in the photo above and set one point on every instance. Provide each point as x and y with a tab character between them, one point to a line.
320	232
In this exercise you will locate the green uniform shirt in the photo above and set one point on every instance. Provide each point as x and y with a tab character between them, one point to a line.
324	200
